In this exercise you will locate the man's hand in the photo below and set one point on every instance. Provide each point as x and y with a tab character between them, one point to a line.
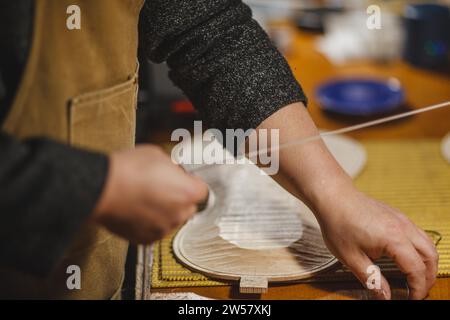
355	227
146	195
358	230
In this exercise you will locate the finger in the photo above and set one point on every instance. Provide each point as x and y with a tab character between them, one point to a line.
410	263
410	226
424	246
148	228
369	275
177	191
191	188
200	189
189	212
429	240
179	216
430	257
173	186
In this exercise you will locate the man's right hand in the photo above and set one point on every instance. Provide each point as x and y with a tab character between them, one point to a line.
146	195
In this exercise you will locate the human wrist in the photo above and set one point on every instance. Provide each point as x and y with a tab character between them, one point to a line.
326	192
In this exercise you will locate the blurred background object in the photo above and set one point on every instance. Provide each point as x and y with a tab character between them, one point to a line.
329	40
347	38
427	35
360	97
355	70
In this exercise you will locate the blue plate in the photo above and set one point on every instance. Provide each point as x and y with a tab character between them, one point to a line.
360	97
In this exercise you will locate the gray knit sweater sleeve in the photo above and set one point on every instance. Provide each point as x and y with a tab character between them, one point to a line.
221	58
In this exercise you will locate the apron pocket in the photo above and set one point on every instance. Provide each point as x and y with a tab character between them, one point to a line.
105	120
102	121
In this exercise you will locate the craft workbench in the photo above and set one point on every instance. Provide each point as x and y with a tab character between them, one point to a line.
422	88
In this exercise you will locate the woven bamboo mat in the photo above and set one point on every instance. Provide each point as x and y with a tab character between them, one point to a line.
410	175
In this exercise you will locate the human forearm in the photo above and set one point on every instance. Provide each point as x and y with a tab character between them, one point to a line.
309	171
356	228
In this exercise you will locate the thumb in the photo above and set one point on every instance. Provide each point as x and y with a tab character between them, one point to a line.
200	188
369	275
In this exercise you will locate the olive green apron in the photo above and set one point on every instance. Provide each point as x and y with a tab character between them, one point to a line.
79	87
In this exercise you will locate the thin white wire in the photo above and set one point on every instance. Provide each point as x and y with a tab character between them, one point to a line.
350	129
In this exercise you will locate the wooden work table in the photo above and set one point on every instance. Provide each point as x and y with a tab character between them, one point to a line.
422	88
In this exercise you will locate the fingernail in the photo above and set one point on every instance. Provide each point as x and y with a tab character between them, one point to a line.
381	294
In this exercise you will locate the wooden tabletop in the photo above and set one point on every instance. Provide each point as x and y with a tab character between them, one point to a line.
422	88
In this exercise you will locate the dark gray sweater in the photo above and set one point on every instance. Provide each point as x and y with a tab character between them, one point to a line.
218	55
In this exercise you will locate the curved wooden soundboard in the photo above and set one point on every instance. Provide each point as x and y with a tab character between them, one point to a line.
255	232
